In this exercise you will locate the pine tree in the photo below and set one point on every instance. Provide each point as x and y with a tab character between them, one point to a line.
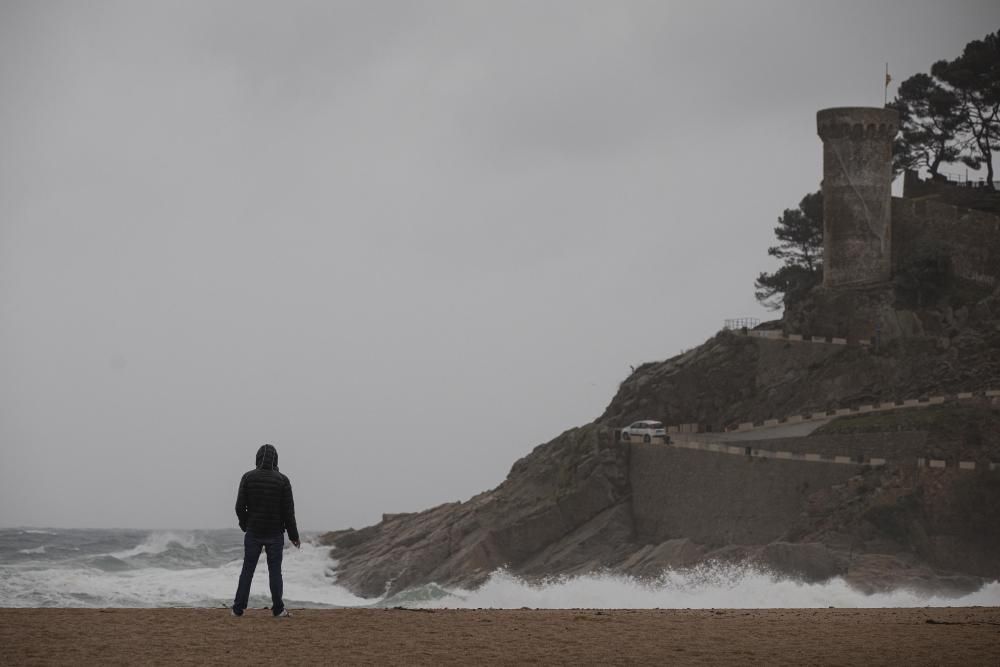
974	78
931	120
800	246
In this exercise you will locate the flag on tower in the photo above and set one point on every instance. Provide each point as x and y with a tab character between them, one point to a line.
885	94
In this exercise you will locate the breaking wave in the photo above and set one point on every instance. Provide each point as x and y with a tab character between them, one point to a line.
158	543
200	569
154	569
35	550
712	587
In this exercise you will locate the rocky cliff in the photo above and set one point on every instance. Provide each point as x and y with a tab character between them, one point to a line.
569	506
562	508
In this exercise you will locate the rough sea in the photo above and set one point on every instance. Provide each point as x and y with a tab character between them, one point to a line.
140	568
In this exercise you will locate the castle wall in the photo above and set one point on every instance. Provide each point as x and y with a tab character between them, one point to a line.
709	497
965	195
970	238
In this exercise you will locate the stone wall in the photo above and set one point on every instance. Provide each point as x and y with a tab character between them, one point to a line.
920	228
854	313
970	238
719	498
966	195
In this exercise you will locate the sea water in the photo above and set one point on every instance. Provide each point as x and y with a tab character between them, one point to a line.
138	568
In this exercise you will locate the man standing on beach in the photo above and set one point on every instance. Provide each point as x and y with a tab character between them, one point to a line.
265	510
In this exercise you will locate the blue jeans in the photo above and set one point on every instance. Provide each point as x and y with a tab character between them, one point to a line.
252	544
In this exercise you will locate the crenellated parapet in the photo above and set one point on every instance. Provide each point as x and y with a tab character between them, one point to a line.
857	124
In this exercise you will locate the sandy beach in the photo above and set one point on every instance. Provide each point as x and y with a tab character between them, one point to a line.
929	636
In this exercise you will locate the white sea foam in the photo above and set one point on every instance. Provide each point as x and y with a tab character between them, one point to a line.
306	575
731	587
159	542
36	550
201	569
35	531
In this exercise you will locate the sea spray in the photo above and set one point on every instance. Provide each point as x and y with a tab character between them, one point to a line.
154	569
160	541
104	568
705	587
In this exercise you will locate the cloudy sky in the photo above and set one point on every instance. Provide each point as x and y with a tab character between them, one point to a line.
405	242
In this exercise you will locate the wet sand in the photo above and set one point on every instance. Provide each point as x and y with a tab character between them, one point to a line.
958	636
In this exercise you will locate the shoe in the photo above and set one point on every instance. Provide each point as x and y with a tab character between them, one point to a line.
284	614
232	612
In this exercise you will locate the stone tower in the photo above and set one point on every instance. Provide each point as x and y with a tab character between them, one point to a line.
857	194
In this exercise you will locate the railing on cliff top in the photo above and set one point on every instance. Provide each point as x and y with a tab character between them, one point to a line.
778	334
741	324
964	181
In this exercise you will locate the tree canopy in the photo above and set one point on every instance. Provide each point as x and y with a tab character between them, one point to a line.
953	114
974	78
800	247
930	123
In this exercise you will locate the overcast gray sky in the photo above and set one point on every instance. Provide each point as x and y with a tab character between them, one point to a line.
405	242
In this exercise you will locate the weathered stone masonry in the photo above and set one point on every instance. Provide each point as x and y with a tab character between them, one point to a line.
707	497
970	239
857	190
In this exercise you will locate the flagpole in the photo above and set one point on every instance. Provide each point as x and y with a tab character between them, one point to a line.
885	94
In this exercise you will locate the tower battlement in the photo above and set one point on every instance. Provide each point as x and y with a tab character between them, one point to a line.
857	123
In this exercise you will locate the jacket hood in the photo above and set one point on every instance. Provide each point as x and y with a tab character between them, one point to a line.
267	457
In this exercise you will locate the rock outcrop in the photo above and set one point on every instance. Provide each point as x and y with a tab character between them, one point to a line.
567	507
563	507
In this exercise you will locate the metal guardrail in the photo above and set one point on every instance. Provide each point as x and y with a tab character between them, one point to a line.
992	395
966	182
740	323
778	334
681	435
753	452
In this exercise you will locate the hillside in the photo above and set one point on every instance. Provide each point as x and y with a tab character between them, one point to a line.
583	502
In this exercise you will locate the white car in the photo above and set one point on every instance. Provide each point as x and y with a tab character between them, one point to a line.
647	430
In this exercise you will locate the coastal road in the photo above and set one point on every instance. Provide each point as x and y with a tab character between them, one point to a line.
765	433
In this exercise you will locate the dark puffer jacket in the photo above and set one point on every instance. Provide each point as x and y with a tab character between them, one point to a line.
264	502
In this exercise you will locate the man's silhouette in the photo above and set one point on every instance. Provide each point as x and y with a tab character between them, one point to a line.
265	510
